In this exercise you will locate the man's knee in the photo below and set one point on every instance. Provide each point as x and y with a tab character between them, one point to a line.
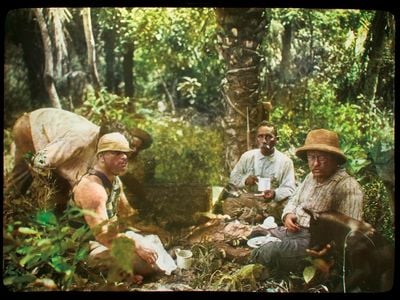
229	206
265	254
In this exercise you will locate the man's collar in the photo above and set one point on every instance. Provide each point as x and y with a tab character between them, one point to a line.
259	155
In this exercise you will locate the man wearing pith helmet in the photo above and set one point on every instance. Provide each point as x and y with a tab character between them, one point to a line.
61	143
328	187
101	192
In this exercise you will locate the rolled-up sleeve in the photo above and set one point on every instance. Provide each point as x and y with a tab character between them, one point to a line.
242	170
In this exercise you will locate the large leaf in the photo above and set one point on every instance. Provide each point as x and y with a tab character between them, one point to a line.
122	250
309	273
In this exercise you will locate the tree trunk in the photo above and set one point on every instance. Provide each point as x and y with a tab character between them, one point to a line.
240	32
48	75
128	70
109	45
286	57
91	49
374	49
24	31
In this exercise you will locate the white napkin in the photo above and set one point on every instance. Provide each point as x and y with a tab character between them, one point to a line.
269	223
164	261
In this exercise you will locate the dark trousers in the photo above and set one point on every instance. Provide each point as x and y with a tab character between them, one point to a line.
285	255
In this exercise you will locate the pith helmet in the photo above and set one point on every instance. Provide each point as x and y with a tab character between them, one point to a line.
113	142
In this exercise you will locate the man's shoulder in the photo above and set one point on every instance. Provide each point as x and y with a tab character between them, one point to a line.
282	155
343	177
250	153
89	182
89	190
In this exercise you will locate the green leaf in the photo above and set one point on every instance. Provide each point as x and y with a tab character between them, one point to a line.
79	233
309	273
81	254
122	249
27	258
60	265
46	218
44	242
19	279
27	230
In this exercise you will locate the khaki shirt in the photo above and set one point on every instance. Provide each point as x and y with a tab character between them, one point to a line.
341	193
63	141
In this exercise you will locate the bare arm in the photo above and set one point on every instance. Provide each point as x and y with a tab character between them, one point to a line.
91	195
124	208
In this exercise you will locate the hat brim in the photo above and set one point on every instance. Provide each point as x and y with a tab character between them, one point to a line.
302	152
115	149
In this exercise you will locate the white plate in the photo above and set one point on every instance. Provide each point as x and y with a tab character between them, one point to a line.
261	240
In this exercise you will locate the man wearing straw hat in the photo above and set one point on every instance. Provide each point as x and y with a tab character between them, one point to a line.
100	191
327	187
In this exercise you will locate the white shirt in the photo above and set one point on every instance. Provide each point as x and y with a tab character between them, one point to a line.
277	166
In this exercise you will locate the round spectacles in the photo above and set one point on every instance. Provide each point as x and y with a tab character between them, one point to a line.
321	158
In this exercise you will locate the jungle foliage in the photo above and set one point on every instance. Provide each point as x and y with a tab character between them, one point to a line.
161	69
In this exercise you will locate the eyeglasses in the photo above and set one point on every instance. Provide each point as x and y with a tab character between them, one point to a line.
321	158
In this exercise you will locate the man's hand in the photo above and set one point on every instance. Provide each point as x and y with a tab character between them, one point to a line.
147	254
251	180
322	252
269	194
290	222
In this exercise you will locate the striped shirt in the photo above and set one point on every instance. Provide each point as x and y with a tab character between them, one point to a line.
341	193
277	166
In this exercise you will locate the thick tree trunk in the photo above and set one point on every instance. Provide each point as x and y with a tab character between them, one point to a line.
128	70
109	44
48	75
25	32
240	33
286	57
91	49
374	49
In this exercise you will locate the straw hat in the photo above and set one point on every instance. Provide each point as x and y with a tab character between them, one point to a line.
322	140
113	142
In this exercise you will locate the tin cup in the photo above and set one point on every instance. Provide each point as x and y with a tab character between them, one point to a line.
184	259
264	183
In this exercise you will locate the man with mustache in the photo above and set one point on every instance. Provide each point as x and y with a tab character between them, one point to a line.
328	187
265	161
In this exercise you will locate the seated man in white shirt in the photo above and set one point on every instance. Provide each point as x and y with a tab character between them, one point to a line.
264	162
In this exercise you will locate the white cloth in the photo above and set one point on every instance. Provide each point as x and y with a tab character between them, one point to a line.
164	261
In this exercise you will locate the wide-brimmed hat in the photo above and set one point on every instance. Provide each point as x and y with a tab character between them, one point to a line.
143	135
113	142
322	140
